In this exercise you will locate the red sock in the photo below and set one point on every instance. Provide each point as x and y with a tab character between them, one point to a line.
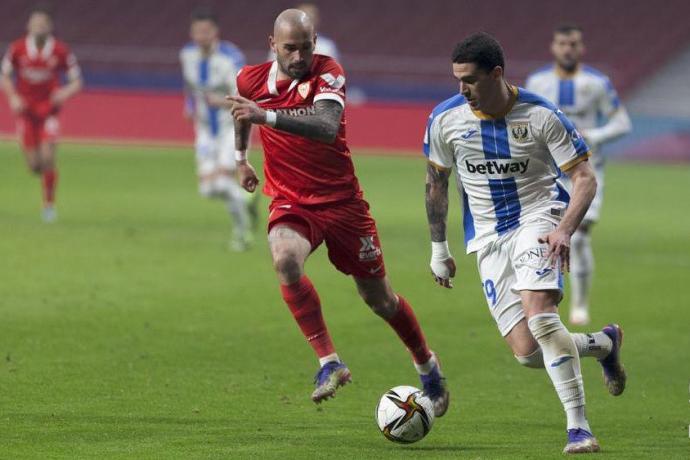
406	326
49	184
305	306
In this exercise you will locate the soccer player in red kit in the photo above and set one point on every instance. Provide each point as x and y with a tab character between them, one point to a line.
298	102
36	62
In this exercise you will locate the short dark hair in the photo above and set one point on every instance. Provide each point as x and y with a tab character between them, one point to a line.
481	49
203	13
566	28
42	8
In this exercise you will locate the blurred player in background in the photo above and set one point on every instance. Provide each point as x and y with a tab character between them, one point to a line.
209	68
584	94
298	101
31	71
507	145
324	45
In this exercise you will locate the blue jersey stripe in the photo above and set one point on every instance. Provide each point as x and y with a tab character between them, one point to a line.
566	93
504	192
563	195
212	111
467	218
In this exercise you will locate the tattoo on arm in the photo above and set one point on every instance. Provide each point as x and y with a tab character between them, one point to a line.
322	126
437	201
242	131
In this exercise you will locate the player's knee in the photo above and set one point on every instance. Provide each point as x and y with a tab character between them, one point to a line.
287	266
534	360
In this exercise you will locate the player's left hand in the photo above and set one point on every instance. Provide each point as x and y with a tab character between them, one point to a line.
559	248
244	109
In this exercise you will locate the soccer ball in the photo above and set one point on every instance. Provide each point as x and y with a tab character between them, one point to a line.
404	414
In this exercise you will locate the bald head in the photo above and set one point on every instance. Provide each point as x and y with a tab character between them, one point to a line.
293	21
293	41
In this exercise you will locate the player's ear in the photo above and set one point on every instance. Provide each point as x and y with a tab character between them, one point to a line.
497	72
272	44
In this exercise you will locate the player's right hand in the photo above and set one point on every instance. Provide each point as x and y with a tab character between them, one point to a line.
443	271
247	176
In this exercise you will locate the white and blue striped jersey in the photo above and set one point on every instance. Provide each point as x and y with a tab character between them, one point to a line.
507	166
216	73
587	98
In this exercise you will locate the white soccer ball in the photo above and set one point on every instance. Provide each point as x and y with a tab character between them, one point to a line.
404	414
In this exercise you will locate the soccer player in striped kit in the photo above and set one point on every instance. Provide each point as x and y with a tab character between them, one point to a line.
209	69
507	145
585	95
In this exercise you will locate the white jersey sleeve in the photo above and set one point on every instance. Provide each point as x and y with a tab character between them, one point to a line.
566	145
437	150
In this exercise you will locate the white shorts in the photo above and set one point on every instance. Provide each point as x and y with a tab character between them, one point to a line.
513	263
214	152
592	215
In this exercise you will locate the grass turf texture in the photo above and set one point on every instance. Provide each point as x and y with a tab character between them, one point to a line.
129	331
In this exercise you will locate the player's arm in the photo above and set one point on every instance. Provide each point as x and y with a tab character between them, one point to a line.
436	198
618	121
617	125
7	83
323	126
584	187
439	168
247	174
570	153
74	84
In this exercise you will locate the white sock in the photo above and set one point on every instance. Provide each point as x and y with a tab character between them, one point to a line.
425	368
562	363
581	269
328	358
595	344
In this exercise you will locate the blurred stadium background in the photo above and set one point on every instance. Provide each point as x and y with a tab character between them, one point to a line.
396	54
129	331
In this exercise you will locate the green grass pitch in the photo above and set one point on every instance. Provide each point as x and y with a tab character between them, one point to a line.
127	330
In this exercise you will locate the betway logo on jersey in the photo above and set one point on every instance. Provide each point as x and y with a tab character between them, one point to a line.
497	167
297	112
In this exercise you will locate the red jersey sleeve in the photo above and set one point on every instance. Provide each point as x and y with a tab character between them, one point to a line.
68	62
330	84
243	83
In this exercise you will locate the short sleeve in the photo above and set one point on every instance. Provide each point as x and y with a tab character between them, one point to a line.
330	85
69	64
243	83
436	149
566	145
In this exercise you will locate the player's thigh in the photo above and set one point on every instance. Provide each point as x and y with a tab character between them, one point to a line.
352	239
205	152
225	157
498	278
538	283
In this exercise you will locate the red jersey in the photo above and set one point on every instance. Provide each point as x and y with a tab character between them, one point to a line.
298	169
38	70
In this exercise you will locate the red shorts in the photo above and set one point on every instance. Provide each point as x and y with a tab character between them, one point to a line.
346	227
35	131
